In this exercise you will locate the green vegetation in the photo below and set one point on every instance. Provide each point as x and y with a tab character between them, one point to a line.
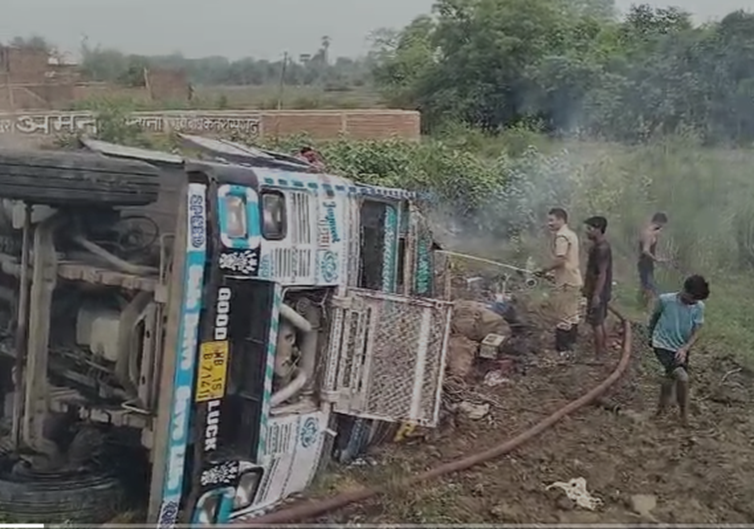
546	102
573	68
242	97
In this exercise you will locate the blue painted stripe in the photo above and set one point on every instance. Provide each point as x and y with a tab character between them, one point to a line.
186	353
390	249
267	391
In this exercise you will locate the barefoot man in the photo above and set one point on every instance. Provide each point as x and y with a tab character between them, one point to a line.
598	280
674	328
567	278
648	257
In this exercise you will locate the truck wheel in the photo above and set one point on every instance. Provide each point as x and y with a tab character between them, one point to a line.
87	497
75	178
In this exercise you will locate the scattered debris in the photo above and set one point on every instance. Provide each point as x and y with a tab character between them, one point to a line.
473	411
363	462
475	321
490	346
643	504
495	378
576	490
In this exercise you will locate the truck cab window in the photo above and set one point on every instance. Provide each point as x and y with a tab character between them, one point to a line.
273	215
373	244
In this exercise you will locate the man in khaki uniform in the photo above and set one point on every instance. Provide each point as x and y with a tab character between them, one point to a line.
567	279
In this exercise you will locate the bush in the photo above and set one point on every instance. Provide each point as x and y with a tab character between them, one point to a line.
503	195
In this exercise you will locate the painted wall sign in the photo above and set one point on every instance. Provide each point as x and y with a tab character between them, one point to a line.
47	124
51	123
196	249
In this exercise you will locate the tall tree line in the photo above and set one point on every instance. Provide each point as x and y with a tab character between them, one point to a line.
316	68
573	66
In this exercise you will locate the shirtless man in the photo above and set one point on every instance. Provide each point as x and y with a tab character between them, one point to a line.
648	257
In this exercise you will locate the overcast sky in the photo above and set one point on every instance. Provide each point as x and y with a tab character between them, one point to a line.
236	28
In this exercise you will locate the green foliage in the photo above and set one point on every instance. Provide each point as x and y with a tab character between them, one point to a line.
490	191
454	178
573	67
34	42
112	124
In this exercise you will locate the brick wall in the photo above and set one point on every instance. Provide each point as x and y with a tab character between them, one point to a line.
318	124
167	85
24	65
324	124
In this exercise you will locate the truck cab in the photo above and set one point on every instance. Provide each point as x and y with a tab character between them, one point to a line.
283	313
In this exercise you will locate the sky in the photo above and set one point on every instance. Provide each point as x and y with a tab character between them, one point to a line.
238	28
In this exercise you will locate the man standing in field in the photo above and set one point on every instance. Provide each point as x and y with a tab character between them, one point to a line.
567	279
674	328
648	257
598	280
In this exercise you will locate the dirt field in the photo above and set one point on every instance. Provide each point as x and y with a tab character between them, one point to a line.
700	475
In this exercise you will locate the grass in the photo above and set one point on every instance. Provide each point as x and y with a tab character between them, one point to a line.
292	97
244	98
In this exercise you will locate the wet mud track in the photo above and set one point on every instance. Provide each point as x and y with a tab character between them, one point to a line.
703	474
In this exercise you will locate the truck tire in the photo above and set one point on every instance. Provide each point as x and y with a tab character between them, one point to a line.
89	498
76	179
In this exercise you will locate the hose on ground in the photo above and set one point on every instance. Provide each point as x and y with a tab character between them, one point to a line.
310	509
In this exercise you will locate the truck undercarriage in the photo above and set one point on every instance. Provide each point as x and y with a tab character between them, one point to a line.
80	313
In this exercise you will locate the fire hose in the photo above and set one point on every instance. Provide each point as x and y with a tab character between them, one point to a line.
529	275
310	509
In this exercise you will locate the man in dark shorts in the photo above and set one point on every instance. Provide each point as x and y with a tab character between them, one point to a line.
648	257
674	328
598	280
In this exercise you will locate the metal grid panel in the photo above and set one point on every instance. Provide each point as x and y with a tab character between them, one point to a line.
301	225
391	364
393	359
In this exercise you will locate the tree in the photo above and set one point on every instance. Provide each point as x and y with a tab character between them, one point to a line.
572	66
34	42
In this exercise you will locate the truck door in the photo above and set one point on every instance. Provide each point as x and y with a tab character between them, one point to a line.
388	355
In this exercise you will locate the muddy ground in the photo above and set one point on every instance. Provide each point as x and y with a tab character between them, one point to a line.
703	474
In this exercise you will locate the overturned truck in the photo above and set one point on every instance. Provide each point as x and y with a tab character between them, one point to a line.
194	337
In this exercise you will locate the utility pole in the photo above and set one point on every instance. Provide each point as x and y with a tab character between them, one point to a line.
282	80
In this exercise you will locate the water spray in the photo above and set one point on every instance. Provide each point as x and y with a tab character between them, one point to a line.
530	281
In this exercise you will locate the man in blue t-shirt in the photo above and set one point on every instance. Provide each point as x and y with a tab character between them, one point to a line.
674	328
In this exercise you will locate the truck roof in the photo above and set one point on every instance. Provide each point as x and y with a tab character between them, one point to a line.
255	166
